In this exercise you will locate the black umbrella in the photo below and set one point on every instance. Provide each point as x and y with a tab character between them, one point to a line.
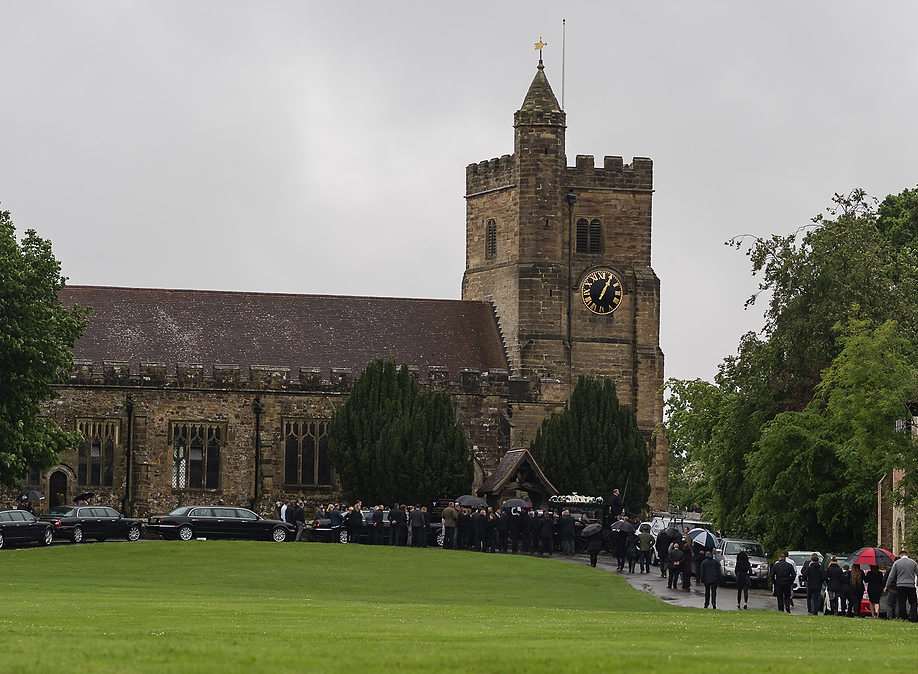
32	495
516	503
469	501
85	496
624	526
591	529
674	535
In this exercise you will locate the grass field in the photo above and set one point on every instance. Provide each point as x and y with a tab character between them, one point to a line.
258	607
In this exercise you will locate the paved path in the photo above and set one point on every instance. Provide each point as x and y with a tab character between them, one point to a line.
694	598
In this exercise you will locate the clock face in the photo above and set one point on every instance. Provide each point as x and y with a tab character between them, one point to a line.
601	291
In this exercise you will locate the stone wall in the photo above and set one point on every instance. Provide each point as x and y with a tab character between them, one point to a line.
481	401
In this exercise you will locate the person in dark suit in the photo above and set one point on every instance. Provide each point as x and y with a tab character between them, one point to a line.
709	574
546	534
533	532
688	555
566	532
815	577
299	519
398	524
416	522
503	529
462	529
480	530
515	528
783	574
834	581
674	562
615	504
377	526
594	547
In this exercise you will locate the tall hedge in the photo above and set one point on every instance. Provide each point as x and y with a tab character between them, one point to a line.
393	441
594	446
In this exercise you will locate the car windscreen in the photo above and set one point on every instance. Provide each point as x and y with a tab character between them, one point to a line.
799	560
61	510
180	511
751	549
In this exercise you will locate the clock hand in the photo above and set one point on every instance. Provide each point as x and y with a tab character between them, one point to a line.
605	288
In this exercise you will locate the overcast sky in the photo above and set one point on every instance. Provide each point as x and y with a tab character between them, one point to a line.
321	147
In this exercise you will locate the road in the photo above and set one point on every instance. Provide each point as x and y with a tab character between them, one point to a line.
694	598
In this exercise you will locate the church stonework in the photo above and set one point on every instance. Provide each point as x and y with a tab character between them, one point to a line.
189	397
535	228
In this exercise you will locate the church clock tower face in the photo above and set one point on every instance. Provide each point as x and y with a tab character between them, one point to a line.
601	291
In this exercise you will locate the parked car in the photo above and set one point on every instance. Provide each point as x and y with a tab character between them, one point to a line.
187	522
21	526
729	548
77	523
799	558
323	531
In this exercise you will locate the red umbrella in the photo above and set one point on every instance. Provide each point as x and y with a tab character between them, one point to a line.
873	556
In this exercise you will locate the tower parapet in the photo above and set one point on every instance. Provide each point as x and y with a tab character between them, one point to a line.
490	175
614	173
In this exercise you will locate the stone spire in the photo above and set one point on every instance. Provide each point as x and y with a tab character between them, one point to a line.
540	97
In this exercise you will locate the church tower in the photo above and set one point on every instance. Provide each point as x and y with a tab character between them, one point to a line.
563	255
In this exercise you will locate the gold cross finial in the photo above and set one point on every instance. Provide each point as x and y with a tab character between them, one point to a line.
540	45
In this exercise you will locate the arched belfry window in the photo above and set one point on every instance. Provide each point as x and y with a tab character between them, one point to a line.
491	240
595	236
589	236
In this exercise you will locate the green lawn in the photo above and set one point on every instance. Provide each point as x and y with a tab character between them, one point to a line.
261	607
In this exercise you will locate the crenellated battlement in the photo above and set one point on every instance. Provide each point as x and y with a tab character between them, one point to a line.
334	380
490	174
614	173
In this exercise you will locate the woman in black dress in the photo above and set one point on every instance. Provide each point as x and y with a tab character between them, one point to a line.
743	571
874	581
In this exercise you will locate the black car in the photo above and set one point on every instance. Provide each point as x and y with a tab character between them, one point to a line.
21	526
187	522
77	523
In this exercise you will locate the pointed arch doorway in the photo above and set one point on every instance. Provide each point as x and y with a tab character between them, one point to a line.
58	488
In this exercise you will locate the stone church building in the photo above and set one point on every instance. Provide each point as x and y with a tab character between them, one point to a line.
188	396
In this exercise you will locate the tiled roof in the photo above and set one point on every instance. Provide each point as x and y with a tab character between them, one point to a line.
508	467
201	326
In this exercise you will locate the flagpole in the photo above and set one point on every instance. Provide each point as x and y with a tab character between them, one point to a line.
563	38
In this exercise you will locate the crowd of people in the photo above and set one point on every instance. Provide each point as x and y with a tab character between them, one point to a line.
486	529
832	589
846	585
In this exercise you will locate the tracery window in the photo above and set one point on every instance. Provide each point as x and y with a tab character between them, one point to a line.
96	456
196	451
589	236
491	240
306	460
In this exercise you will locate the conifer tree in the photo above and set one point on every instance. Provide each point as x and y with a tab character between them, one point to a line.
394	441
595	446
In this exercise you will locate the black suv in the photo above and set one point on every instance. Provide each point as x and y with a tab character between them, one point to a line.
186	522
21	526
77	523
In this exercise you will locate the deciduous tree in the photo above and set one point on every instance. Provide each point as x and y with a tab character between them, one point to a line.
37	335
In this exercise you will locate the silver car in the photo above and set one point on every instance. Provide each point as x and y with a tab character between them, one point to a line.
727	551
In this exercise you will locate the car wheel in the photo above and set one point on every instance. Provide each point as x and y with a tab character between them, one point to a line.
134	533
185	533
48	537
1	541
342	536
279	535
441	538
77	535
